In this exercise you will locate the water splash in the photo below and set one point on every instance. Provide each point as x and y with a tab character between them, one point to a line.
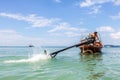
34	58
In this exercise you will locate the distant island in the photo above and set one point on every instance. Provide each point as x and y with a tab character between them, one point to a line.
111	45
31	46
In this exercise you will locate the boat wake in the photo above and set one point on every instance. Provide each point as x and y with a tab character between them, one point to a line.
34	58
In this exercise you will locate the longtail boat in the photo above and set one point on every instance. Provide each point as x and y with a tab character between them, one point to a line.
91	48
91	44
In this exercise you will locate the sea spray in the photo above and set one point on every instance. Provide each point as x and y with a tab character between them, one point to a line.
37	55
34	58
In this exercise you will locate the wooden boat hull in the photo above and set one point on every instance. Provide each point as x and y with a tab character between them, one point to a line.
91	49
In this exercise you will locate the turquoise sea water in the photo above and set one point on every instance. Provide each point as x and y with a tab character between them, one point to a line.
29	63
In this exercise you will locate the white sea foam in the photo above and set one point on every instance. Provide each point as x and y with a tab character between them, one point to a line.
34	58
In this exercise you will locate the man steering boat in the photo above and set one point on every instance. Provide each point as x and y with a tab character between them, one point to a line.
92	47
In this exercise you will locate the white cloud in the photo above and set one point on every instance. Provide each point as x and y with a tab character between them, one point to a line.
9	34
36	21
57	1
95	9
95	5
117	2
72	34
115	35
88	3
105	29
67	30
12	37
109	35
63	27
116	16
92	4
7	31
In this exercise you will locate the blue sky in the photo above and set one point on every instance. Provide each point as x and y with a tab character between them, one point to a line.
58	22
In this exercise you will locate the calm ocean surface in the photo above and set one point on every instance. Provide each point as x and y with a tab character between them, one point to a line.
29	63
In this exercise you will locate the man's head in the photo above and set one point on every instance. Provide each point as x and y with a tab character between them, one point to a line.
95	32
